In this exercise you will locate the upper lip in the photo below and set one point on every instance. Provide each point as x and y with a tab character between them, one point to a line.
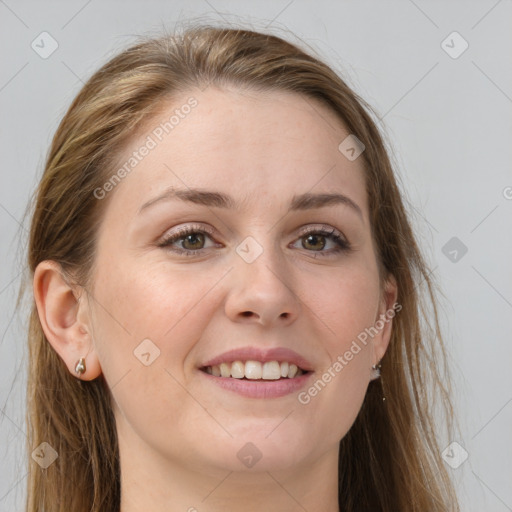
263	355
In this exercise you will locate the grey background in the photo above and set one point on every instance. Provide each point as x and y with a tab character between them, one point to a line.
447	119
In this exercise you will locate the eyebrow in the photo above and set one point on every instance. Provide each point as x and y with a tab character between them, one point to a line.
307	201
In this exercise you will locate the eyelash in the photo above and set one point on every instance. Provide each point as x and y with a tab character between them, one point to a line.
342	244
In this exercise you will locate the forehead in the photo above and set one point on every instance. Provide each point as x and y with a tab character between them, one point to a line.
260	147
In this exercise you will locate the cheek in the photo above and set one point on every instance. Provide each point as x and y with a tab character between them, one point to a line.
346	302
346	306
169	307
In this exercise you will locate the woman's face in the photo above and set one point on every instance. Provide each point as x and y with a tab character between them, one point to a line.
218	240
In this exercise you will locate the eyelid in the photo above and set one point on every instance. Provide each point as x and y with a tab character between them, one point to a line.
183	230
325	228
317	227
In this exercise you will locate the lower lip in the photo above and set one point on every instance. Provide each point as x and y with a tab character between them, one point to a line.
260	388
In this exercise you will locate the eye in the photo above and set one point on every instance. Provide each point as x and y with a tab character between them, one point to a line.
189	240
316	239
192	240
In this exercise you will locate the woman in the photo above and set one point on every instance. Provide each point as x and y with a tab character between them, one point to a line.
227	305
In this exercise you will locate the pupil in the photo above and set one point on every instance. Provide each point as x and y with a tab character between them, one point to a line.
315	240
193	240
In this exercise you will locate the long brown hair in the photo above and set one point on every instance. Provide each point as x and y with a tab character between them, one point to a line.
390	459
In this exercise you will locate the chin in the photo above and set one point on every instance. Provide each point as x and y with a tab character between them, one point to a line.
255	452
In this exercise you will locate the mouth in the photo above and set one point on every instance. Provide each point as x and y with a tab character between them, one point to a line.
255	370
257	373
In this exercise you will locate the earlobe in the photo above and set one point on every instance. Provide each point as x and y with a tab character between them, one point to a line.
58	309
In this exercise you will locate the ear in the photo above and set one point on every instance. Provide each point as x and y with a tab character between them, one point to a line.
64	319
388	308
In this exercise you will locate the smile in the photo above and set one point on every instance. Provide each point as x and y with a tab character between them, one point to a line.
255	370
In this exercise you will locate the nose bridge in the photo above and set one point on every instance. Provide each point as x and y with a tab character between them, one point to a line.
263	288
260	265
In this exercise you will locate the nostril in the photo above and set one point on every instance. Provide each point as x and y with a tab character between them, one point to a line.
247	313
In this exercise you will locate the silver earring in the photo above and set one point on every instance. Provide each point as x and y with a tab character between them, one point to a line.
375	373
80	366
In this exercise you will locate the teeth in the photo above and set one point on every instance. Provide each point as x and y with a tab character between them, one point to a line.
254	370
225	370
292	371
238	370
271	370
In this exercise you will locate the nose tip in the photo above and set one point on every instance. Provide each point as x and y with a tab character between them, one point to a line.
261	295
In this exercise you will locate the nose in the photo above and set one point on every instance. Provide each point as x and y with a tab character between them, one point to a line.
262	293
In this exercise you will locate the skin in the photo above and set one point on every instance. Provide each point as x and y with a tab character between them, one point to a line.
179	435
